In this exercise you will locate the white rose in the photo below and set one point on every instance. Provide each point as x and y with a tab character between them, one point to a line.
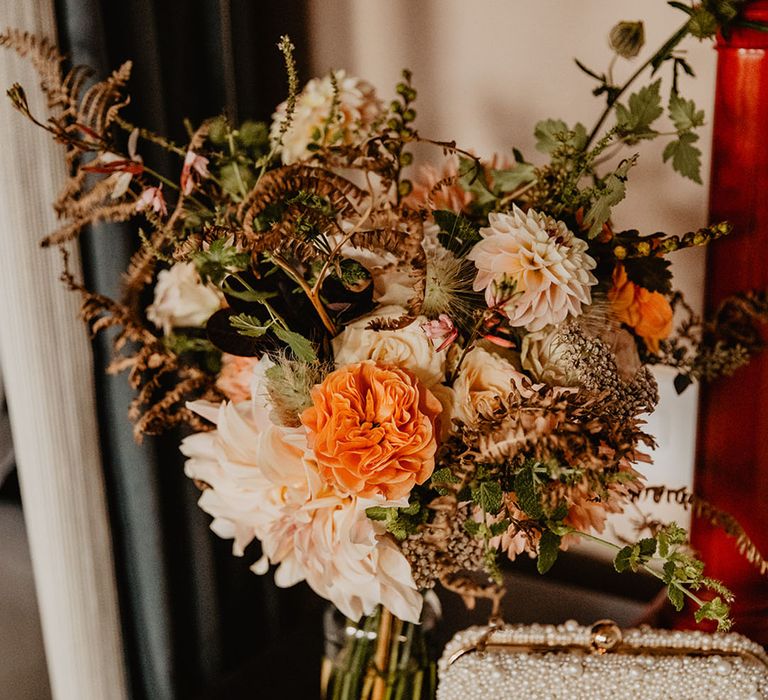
483	379
182	300
408	347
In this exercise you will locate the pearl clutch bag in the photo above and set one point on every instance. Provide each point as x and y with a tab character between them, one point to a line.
601	662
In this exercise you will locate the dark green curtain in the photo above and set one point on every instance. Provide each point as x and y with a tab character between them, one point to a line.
197	623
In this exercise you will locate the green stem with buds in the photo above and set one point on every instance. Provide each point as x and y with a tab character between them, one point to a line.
657	57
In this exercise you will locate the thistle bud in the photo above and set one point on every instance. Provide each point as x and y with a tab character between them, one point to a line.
627	38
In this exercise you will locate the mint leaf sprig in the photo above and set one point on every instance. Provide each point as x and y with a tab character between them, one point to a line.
667	557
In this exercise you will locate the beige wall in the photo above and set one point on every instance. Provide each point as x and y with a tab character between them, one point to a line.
487	70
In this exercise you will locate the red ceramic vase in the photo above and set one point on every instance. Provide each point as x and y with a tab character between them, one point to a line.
732	449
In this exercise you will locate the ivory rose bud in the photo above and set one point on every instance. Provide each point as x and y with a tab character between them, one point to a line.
483	379
373	430
181	299
648	313
407	347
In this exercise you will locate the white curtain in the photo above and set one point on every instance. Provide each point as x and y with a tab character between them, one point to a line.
47	369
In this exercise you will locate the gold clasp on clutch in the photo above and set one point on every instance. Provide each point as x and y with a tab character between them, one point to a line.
606	636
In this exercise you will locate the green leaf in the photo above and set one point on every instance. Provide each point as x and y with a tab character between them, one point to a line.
684	114
552	133
220	259
611	191
377	512
509	179
676	597
714	609
248	325
686	158
457	234
644	108
549	547
444	476
647	548
560	511
299	345
472	527
623	559
527	493
488	496
251	295
500	527
472	179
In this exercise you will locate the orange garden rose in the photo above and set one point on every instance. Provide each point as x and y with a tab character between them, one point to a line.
373	430
648	313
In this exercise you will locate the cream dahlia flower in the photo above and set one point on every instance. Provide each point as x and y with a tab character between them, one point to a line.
181	299
547	266
264	485
356	110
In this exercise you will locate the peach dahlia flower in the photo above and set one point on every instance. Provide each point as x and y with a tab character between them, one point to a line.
373	430
546	264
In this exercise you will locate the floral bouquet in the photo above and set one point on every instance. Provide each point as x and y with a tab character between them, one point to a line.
399	379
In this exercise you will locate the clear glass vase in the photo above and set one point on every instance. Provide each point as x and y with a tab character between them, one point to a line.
379	657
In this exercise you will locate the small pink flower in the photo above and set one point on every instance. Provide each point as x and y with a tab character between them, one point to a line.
121	170
441	331
195	168
152	197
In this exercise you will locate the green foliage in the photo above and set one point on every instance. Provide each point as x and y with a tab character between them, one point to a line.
219	260
509	179
457	233
643	109
669	537
686	158
609	192
527	491
551	134
401	522
717	610
488	496
472	179
443	479
253	327
248	325
202	348
684	114
635	555
549	547
299	345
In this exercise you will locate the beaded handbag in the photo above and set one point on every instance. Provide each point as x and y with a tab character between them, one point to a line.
600	662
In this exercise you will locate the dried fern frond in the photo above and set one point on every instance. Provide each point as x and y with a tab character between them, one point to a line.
163	385
47	61
102	101
716	517
277	186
